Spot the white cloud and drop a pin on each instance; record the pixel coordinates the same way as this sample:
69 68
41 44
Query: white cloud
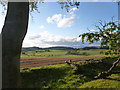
54 18
63 20
119 20
49 20
46 39
72 10
78 39
92 30
66 22
42 27
2 18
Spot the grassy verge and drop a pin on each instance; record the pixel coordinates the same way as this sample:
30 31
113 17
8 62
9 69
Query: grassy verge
62 76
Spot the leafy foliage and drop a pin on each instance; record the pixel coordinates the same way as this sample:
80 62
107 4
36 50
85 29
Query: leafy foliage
108 35
64 4
68 3
33 4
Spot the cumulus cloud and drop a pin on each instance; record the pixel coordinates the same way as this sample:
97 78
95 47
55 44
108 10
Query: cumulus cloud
42 27
66 22
46 39
63 20
54 18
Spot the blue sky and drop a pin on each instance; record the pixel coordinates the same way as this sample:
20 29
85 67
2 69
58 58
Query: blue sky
54 26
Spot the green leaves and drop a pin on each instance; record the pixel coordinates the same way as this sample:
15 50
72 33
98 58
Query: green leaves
68 3
108 35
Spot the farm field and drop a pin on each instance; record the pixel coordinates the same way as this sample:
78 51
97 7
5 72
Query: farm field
47 69
64 53
44 61
52 57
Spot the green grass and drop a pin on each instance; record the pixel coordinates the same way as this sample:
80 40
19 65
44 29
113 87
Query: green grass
112 82
62 76
63 53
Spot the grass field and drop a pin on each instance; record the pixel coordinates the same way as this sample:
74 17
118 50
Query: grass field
62 75
63 53
51 57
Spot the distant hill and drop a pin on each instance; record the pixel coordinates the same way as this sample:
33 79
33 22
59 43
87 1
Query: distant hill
49 48
31 48
61 48
94 47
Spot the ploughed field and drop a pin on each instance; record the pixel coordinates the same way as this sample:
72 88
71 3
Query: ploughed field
27 62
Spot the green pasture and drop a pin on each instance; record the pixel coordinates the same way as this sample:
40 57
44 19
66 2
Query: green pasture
63 53
62 75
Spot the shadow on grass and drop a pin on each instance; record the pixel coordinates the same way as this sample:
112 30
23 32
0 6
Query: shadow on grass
93 67
39 78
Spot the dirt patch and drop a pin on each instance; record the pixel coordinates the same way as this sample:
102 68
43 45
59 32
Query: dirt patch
44 61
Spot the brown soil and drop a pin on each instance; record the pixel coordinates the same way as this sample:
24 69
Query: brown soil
44 61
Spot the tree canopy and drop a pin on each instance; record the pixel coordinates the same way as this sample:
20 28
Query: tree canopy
107 33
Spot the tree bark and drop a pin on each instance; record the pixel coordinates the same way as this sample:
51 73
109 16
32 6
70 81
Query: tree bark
108 72
13 33
74 67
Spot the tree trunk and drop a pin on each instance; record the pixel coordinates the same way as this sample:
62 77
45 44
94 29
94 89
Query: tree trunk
74 67
13 33
109 72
